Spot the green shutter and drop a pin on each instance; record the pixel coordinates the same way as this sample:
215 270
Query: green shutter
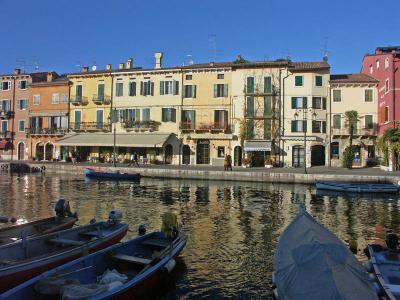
173 115
161 87
268 84
305 126
314 100
215 91
193 91
79 90
305 102
151 88
298 80
293 102
250 85
100 90
294 128
323 126
141 88
268 106
176 87
225 90
163 114
250 107
323 103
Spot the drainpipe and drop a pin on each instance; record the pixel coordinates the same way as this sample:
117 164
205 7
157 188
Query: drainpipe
330 125
394 91
179 115
13 119
282 119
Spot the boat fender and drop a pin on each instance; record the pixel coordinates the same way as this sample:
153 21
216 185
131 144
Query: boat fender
170 265
142 229
276 296
3 219
392 240
115 217
368 266
92 221
62 208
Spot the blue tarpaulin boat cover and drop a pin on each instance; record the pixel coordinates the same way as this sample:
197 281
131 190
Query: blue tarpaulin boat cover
311 263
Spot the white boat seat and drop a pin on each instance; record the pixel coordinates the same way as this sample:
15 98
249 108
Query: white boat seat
133 259
66 242
155 242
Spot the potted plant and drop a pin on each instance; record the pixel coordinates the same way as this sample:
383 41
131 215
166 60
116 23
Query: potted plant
268 163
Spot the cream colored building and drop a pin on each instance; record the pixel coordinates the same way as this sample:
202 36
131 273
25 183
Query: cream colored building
353 92
304 114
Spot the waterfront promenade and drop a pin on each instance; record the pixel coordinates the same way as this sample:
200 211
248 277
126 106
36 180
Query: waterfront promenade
282 175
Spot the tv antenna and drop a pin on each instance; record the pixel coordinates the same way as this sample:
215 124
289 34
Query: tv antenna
212 41
325 50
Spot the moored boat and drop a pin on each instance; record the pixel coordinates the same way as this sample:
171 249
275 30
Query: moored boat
384 263
122 271
29 257
64 219
356 187
312 263
117 175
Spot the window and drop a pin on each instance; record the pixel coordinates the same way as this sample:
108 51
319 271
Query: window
335 150
318 103
220 90
368 95
189 77
4 126
250 85
77 119
146 114
369 122
386 114
36 99
23 84
129 115
299 125
119 89
220 76
318 126
220 119
250 107
55 99
6 85
168 114
387 85
268 106
250 129
221 151
21 125
22 104
371 151
267 129
132 88
298 80
170 87
64 98
318 80
299 102
268 84
337 123
99 119
189 91
146 88
188 118
5 105
371 69
377 63
100 91
386 63
337 95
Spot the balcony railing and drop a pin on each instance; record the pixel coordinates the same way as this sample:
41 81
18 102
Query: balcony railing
6 114
258 90
101 99
259 115
356 132
141 125
46 131
78 100
211 127
91 126
6 134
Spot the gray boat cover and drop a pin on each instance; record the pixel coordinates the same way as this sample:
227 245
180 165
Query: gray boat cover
311 263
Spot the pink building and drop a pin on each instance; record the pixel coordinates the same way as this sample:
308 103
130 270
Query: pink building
384 65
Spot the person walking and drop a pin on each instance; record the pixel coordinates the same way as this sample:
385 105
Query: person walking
229 162
135 159
73 157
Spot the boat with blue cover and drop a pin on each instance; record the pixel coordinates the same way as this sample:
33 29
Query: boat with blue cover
114 175
124 271
357 187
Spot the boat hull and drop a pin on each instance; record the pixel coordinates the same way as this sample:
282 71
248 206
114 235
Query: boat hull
356 187
110 175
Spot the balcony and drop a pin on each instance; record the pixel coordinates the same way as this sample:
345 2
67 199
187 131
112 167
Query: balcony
91 127
6 134
78 100
140 125
258 90
259 115
6 114
205 127
46 131
101 99
360 132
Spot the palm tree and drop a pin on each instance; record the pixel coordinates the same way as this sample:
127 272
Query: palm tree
390 141
352 118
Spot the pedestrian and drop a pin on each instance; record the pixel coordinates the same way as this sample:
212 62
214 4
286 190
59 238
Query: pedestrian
135 159
131 160
226 163
73 157
229 159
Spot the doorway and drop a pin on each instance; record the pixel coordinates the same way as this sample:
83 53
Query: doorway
298 156
317 155
168 154
203 152
186 155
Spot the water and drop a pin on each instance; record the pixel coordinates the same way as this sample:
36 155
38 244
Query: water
232 227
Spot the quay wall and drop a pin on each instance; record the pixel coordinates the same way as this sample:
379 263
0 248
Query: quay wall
220 175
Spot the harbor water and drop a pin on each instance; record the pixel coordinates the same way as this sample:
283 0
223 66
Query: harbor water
232 227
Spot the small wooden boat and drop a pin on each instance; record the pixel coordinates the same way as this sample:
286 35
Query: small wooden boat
384 263
117 175
29 257
64 219
311 263
122 271
357 187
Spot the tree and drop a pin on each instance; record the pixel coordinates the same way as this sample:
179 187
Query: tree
390 142
240 60
351 117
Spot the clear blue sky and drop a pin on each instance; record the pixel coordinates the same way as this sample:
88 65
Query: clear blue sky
60 34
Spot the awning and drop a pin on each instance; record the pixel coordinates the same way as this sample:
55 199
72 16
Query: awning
257 146
205 136
5 145
47 114
299 138
142 140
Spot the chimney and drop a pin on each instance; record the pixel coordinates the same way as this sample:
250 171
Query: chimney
17 71
49 76
121 66
129 63
158 56
85 69
108 66
378 51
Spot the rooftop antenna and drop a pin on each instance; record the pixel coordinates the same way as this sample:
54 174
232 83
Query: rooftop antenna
94 67
212 41
21 62
288 55
325 50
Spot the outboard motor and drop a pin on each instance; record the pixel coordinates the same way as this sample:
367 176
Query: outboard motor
63 209
115 217
392 241
142 229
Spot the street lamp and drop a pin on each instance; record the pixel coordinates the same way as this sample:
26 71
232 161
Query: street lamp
305 115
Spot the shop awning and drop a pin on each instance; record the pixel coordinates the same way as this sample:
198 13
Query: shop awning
137 140
5 145
47 114
257 146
